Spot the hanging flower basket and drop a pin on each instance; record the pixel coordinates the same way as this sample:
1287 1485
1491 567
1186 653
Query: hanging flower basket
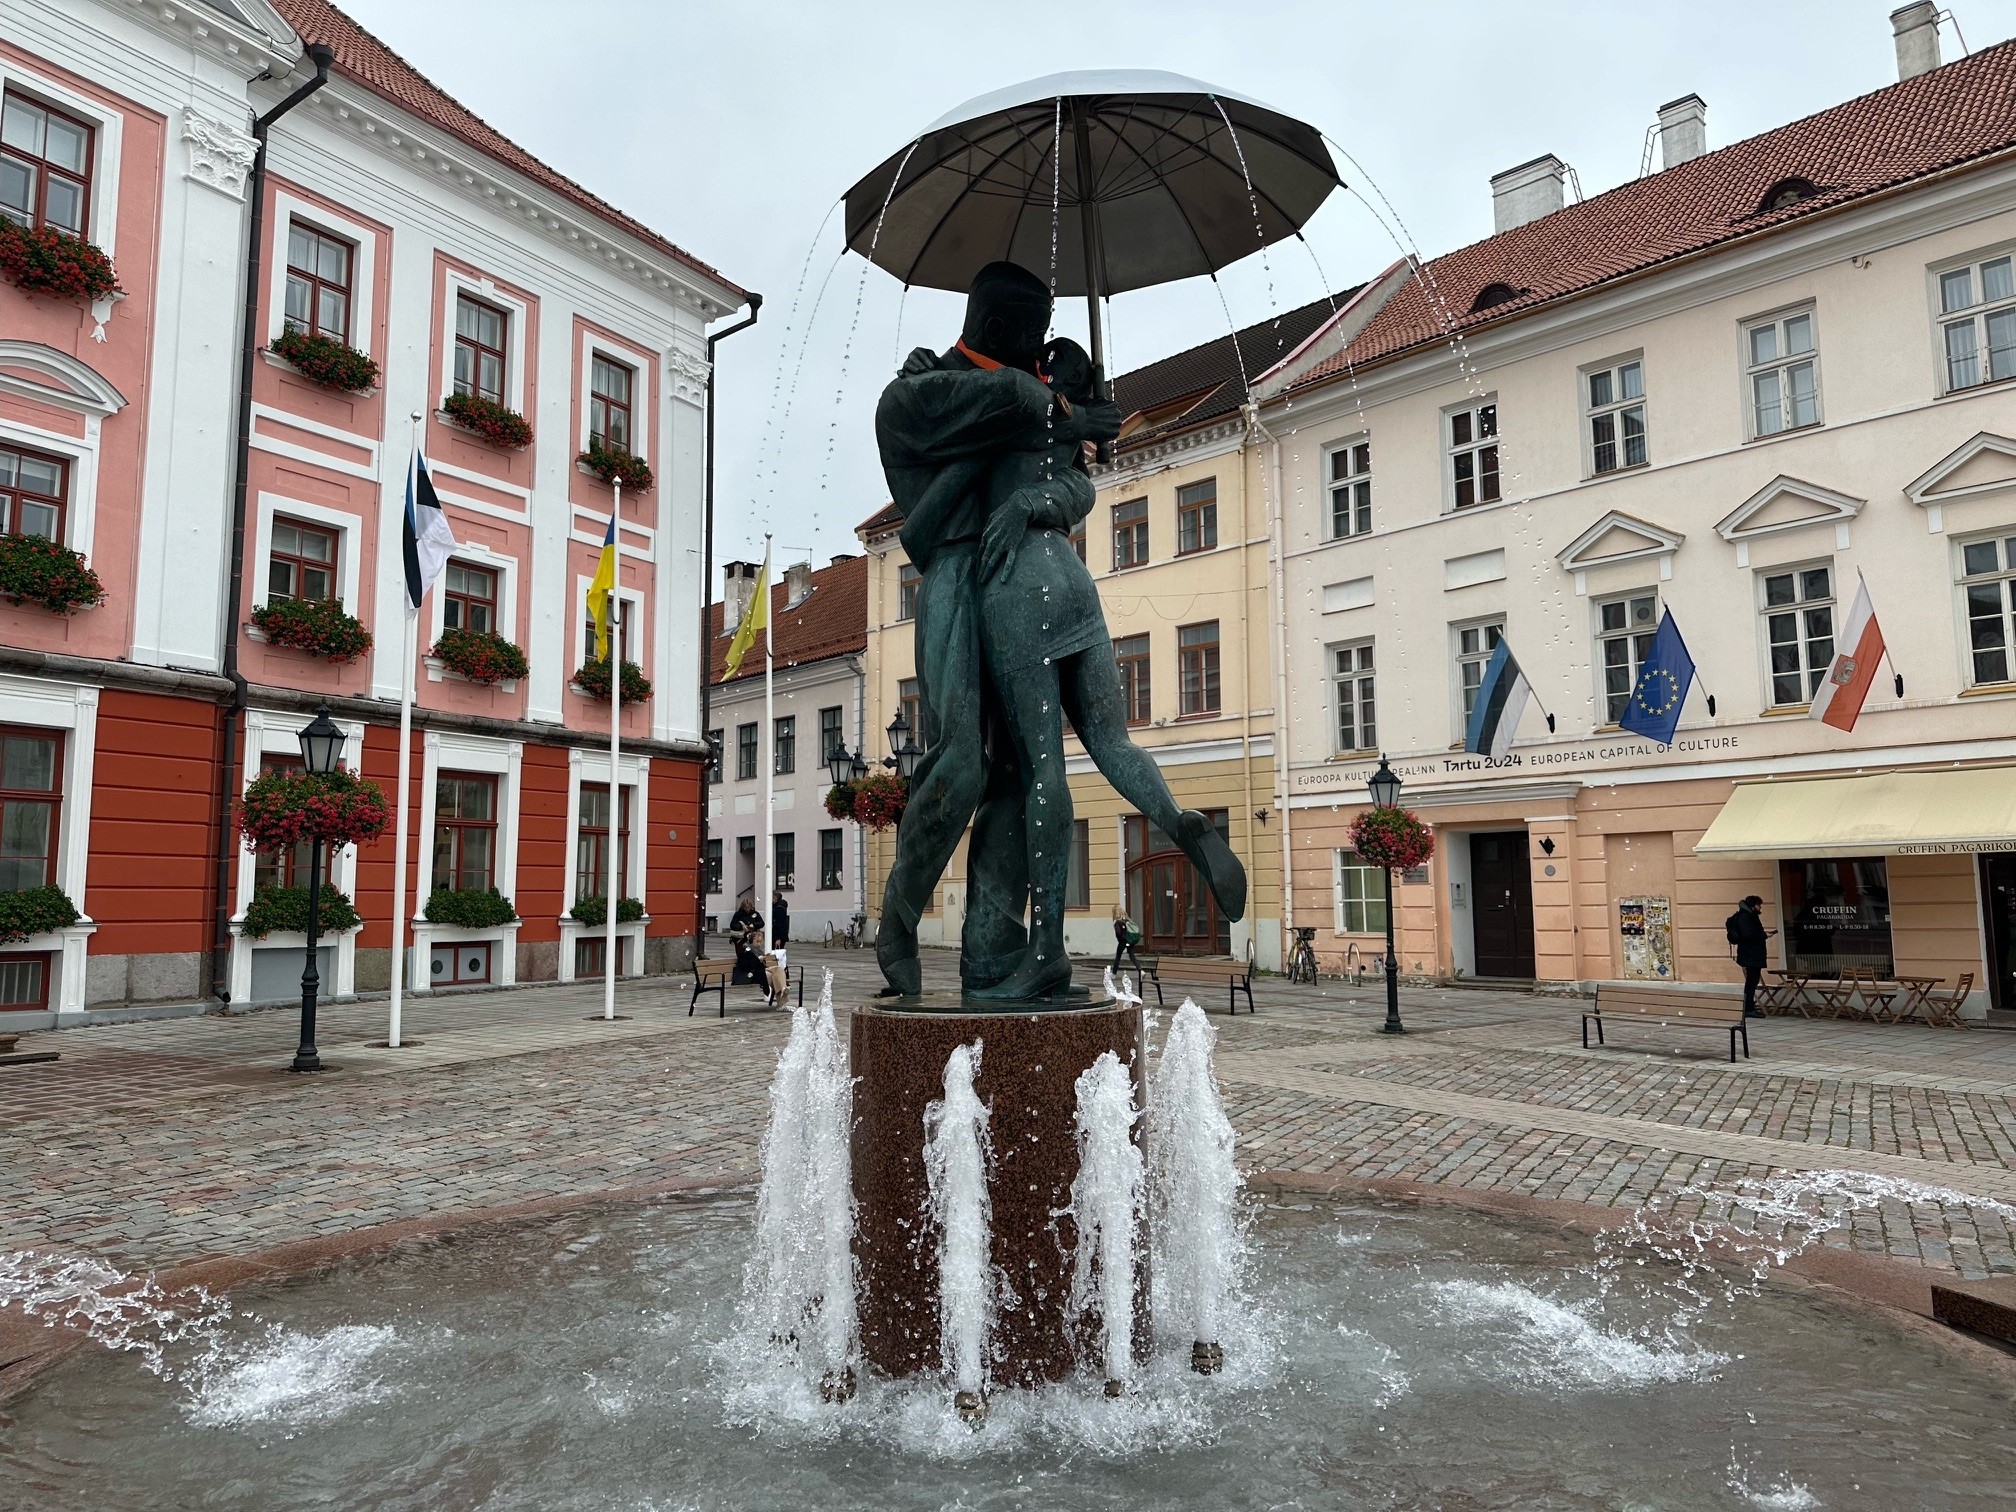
498 424
593 680
47 574
482 656
284 910
321 627
1392 839
879 800
327 361
840 801
594 912
33 911
282 808
469 908
612 464
47 261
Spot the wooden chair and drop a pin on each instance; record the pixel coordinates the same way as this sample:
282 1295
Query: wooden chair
1942 1009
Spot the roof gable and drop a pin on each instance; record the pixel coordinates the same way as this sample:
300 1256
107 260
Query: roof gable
1619 537
1984 463
1787 503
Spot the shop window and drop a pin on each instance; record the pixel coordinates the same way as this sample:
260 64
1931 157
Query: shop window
1197 668
1078 880
1988 593
24 980
469 598
465 832
1360 896
34 491
610 384
45 165
1616 399
1472 447
1130 533
462 965
1351 490
591 843
1977 331
1837 916
1197 517
1783 370
480 332
1474 645
318 282
1798 616
784 746
1131 652
832 854
31 802
745 752
1352 691
1625 628
302 561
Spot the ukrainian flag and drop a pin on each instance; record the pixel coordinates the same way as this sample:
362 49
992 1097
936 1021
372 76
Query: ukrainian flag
602 589
756 617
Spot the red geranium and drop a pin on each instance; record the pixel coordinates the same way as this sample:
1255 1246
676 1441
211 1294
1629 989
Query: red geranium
482 656
283 808
496 423
43 260
879 800
1392 839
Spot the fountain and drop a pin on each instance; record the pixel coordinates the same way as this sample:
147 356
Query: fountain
1106 1214
1193 1190
958 1160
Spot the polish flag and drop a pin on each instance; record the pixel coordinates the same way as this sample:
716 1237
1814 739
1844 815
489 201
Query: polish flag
1849 676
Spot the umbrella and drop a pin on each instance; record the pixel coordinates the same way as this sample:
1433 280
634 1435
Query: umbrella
1133 177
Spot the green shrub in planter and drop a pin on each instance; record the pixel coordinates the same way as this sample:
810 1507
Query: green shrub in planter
36 570
33 911
325 360
284 910
469 909
593 911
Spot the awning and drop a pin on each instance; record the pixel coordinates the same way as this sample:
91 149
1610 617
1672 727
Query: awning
1954 811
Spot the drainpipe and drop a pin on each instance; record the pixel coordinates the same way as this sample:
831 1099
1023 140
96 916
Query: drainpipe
1277 586
231 720
707 640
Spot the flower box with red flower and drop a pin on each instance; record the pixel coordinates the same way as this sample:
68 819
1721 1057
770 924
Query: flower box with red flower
480 656
612 464
46 574
43 260
1392 839
593 680
496 423
319 627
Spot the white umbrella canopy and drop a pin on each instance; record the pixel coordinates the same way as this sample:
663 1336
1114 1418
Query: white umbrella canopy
1141 177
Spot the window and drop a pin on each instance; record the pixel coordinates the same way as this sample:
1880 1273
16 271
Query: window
908 580
1196 517
1988 586
1077 539
832 859
1351 489
33 491
714 738
1837 916
910 704
1078 880
1130 533
1197 668
591 843
1798 630
745 752
24 981
318 282
465 832
479 348
469 598
1474 645
289 867
622 630
784 856
784 746
1361 896
1473 454
45 166
830 733
31 794
609 386
1357 726
1131 652
302 564
1616 398
1977 308
1625 628
1783 372
714 866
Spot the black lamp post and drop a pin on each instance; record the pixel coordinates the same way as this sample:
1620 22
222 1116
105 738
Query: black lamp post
321 745
839 764
1385 789
904 751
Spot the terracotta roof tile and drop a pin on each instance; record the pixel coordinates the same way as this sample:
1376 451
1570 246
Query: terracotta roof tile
362 57
832 620
1951 116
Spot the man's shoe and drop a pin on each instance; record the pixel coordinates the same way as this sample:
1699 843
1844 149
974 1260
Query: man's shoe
1199 839
896 954
1753 1013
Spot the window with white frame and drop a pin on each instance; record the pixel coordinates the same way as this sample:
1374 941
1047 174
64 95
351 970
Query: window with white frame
1360 895
1988 594
1350 489
319 268
481 348
610 384
34 493
909 582
1474 645
1471 436
301 563
1977 322
469 598
45 165
1351 691
1798 611
1615 397
1783 371
1625 628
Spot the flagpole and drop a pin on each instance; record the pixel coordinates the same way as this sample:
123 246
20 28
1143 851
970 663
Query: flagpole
615 751
768 910
405 779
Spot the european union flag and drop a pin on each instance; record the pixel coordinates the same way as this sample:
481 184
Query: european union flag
1663 681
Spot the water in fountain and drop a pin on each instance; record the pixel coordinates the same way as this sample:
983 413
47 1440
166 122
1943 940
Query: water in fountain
958 1156
1197 1241
1106 1210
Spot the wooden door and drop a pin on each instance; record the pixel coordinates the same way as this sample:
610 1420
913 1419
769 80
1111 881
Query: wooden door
1501 905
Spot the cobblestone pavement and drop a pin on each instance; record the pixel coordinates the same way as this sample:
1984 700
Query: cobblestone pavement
155 1144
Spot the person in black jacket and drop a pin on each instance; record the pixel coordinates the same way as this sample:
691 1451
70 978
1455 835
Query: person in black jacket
780 921
1747 933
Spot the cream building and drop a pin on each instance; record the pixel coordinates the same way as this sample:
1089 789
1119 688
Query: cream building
1733 389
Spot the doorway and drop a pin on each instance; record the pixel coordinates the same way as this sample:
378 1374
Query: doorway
1501 905
1998 897
1167 896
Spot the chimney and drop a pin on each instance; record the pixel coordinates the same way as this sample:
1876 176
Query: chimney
1683 130
1917 29
797 584
1526 193
738 585
845 556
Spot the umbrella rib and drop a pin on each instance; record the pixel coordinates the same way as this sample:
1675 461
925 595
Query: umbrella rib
972 181
1173 200
1056 149
1246 172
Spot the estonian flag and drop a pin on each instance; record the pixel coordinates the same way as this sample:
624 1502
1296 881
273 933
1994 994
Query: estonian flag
1501 700
428 540
1661 690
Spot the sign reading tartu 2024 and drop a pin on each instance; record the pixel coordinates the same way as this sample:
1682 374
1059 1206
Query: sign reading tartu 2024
1458 767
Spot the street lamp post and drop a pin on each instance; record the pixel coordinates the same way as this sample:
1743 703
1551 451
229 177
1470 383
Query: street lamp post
1385 790
904 752
321 745
839 764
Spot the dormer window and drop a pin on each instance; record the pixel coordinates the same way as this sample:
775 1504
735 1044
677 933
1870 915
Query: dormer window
1494 294
1786 193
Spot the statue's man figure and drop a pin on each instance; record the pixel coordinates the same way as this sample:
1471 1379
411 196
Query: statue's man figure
940 426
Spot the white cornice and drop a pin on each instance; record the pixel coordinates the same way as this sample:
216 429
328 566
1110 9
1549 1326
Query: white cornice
266 45
1189 446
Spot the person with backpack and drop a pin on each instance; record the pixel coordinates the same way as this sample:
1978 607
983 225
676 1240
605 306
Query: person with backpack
1126 935
1747 934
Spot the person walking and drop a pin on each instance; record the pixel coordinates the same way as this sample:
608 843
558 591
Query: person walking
780 920
1125 937
1747 933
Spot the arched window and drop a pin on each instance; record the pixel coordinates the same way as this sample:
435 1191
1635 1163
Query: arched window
1787 191
1493 294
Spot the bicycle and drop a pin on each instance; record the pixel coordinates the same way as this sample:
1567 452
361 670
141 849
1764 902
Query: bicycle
1302 958
847 936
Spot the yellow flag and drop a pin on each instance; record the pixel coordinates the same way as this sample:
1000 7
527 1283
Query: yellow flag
755 617
602 589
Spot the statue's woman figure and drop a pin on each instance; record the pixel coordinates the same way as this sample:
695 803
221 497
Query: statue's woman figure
1049 656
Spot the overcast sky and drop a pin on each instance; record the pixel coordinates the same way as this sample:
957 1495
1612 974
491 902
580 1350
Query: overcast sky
733 127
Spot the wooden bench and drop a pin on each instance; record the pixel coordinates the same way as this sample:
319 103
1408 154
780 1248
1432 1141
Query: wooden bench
1233 977
1667 1006
718 976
